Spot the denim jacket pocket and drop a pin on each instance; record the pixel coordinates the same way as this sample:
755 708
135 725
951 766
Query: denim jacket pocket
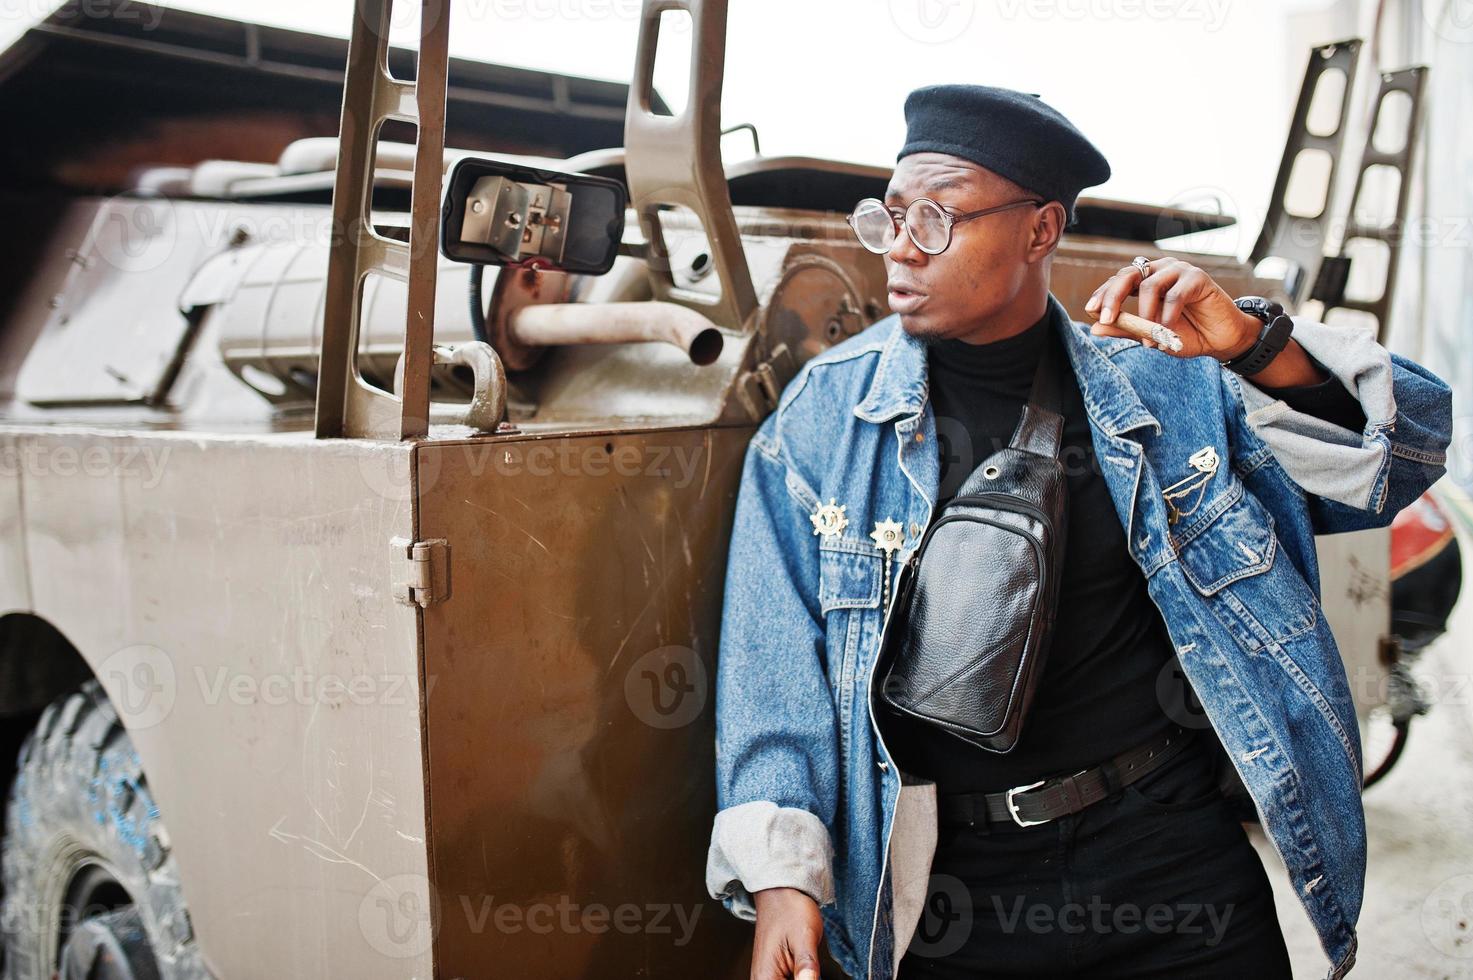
1231 560
849 574
1233 545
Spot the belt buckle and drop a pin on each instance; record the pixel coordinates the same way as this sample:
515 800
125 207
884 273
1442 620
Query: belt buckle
1013 807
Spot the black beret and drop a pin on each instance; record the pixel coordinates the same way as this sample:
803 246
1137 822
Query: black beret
1014 134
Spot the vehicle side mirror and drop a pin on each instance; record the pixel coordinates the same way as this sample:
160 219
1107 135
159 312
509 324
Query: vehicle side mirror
499 213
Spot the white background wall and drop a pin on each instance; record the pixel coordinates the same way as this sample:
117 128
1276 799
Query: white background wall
1186 98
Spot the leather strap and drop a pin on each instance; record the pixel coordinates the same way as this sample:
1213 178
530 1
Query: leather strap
1061 796
1041 427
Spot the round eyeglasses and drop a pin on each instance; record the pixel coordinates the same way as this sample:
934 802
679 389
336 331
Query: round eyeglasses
927 223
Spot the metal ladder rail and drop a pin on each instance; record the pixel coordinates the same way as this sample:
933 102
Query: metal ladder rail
1330 283
347 406
1298 239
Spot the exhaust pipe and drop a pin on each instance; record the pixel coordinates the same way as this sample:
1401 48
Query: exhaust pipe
550 324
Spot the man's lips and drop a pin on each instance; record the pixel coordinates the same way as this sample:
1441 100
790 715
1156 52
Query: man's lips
905 298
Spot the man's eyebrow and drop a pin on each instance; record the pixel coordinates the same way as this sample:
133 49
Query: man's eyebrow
943 182
946 182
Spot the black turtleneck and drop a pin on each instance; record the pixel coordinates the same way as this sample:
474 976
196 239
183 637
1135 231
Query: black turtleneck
1098 694
1106 684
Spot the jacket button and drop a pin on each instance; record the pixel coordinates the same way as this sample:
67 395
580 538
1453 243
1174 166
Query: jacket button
920 437
915 529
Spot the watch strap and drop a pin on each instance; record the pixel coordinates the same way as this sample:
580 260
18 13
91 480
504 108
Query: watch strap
1272 338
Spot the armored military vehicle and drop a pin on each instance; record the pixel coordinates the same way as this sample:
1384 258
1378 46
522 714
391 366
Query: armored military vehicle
365 506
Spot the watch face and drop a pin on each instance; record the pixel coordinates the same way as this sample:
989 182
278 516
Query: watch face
1258 306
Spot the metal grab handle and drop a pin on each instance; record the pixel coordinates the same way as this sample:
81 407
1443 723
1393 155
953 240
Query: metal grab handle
675 161
488 393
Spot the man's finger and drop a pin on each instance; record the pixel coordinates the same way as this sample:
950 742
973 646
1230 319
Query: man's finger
805 966
1102 330
1106 330
1186 289
1117 288
1149 293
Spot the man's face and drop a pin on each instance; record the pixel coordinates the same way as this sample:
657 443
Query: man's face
983 269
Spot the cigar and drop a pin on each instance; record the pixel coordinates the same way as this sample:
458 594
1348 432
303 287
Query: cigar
1147 330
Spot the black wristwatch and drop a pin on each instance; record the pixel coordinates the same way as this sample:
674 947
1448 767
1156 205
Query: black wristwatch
1272 339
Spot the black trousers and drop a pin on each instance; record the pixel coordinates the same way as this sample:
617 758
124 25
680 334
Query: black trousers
1158 880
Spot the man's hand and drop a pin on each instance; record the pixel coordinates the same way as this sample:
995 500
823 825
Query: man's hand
1183 298
789 929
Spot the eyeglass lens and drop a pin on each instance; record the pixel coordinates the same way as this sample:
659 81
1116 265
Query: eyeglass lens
875 226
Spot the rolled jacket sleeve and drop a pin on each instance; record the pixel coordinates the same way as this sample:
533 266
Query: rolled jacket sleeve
776 725
1353 479
1329 401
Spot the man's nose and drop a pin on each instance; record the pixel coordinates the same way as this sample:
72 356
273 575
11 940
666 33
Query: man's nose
903 250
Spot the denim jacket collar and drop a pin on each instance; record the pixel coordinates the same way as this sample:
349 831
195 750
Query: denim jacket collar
900 383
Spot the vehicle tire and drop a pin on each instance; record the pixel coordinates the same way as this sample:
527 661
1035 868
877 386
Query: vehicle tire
91 887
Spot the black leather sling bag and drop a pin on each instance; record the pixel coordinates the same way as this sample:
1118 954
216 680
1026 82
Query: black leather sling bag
973 612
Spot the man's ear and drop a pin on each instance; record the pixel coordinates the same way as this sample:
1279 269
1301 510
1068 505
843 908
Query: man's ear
1047 230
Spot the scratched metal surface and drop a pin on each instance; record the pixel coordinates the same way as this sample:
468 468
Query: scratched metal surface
243 575
1355 587
570 721
15 589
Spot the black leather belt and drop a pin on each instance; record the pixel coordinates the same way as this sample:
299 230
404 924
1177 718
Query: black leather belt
1049 799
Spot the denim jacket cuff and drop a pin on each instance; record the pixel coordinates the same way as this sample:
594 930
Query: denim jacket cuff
1323 458
761 845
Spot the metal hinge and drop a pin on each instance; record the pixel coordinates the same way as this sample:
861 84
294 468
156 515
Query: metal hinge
762 387
422 571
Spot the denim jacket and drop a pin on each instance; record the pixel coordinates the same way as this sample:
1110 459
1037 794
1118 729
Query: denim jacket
807 794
